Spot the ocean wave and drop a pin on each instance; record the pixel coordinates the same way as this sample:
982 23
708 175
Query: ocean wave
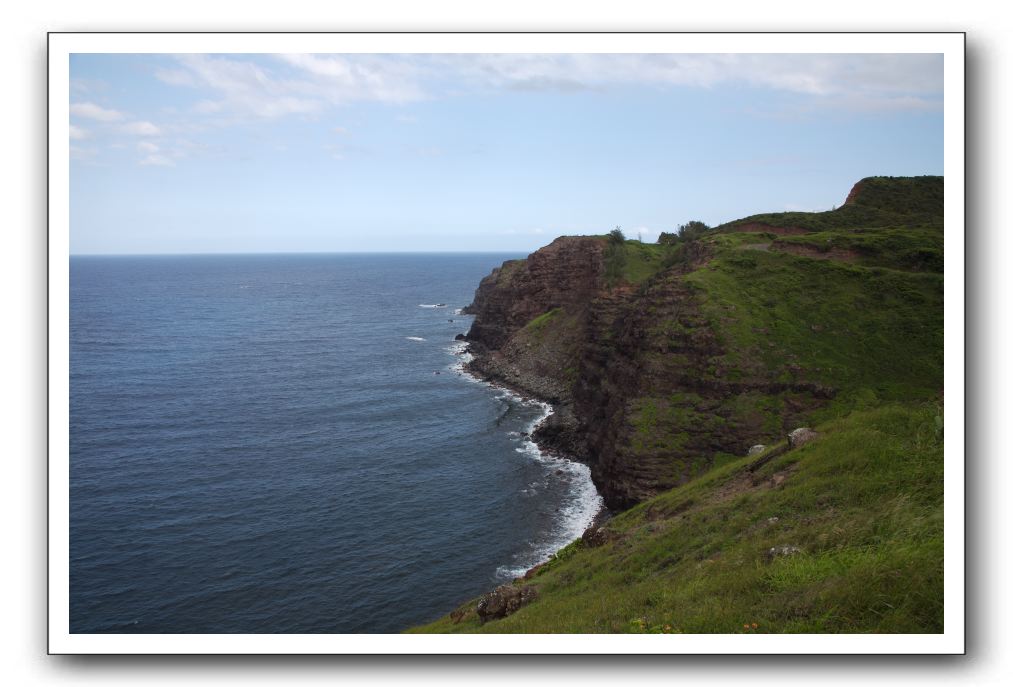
582 501
415 338
459 350
432 305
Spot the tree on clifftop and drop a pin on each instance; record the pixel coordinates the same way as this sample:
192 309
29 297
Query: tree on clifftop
616 236
690 231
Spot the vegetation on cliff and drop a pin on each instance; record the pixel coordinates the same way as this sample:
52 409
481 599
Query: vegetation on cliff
668 361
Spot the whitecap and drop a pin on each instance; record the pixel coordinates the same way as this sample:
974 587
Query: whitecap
415 338
582 501
459 349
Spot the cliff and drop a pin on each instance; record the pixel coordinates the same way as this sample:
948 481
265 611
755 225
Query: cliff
684 374
666 361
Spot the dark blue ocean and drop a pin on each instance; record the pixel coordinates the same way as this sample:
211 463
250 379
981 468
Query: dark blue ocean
261 443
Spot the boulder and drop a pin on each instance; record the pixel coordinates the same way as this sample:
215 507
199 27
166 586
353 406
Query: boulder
801 437
596 536
783 550
503 601
756 450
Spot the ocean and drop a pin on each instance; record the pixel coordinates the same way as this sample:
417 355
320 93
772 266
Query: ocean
288 444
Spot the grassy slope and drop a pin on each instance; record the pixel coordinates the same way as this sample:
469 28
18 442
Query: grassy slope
871 333
866 332
892 222
863 503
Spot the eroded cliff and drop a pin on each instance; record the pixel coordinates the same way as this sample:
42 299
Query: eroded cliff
664 361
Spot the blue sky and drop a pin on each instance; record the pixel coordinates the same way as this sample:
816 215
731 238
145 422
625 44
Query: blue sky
280 153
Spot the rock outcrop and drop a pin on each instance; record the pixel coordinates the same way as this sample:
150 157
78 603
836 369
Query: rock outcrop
801 437
503 601
564 274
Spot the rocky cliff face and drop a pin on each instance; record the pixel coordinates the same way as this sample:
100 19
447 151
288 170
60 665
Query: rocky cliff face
564 274
659 374
635 374
549 327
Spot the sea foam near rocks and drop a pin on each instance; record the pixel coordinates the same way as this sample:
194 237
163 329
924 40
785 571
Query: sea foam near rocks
582 501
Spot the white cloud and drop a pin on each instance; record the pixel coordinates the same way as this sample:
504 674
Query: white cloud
176 77
818 74
141 129
295 84
77 133
82 154
240 86
93 111
305 84
156 160
232 88
165 154
340 130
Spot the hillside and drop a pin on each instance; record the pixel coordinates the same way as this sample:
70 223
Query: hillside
841 535
667 363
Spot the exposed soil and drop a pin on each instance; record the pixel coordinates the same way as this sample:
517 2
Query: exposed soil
802 250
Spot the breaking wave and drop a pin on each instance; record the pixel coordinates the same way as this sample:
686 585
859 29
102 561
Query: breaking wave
581 502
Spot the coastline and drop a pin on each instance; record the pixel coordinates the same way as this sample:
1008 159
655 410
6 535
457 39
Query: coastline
591 516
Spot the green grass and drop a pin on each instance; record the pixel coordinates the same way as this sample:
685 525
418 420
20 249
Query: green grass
863 503
881 202
848 327
906 248
537 326
903 195
633 262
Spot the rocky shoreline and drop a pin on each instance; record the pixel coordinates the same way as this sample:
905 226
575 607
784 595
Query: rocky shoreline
479 367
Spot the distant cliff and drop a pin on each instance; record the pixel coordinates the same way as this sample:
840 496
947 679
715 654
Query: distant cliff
664 361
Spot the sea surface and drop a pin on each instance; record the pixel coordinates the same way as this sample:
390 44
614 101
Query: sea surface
287 443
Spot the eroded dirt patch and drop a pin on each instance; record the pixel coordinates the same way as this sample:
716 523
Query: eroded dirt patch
802 250
746 481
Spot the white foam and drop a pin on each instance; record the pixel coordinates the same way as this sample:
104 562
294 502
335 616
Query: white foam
432 305
415 338
459 349
582 502
458 311
575 515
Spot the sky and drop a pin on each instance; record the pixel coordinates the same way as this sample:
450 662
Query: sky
347 153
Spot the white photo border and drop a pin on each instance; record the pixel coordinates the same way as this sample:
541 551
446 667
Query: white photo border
62 45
